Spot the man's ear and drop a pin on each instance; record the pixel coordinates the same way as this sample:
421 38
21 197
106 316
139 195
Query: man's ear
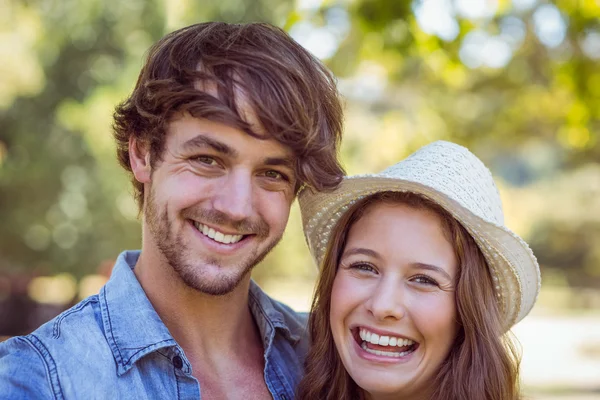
139 159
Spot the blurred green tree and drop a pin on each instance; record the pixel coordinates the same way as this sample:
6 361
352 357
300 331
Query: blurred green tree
516 81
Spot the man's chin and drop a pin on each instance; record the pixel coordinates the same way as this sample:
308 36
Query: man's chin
214 288
218 284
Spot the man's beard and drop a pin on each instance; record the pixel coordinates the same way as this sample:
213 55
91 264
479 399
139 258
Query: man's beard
178 254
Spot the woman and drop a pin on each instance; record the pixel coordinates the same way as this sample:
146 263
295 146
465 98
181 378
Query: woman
420 281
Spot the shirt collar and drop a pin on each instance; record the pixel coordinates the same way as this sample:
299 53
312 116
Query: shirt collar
133 328
268 318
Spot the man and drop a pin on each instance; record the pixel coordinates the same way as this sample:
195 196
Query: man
224 126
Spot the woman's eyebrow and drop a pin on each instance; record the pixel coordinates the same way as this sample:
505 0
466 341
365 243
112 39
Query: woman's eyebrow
361 251
434 268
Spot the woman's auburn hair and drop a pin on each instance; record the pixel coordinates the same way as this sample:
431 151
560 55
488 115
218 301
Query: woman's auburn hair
483 363
292 94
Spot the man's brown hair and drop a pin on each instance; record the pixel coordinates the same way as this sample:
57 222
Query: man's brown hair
292 94
483 362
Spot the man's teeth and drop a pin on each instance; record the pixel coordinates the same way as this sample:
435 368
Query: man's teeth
216 235
384 340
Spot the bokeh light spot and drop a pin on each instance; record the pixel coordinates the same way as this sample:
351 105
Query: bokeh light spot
65 235
436 17
127 206
550 26
475 9
91 285
590 44
37 237
58 289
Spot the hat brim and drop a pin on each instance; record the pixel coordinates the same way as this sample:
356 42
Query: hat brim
514 267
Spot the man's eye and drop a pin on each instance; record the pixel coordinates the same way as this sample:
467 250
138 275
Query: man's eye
206 160
275 175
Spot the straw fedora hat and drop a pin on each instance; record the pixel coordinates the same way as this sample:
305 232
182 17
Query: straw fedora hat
451 176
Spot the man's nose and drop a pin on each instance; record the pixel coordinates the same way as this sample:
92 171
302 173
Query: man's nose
235 197
387 301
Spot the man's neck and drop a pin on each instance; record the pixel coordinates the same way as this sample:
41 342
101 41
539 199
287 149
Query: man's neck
205 326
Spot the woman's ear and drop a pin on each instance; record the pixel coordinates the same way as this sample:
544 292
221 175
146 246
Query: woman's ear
139 159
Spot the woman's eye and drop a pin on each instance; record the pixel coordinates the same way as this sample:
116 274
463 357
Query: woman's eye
362 267
425 280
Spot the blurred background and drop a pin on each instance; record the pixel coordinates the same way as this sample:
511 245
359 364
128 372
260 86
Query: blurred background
518 82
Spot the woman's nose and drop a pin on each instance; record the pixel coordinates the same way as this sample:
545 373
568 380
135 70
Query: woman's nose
387 300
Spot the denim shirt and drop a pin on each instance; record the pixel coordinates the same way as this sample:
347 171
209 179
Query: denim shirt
114 346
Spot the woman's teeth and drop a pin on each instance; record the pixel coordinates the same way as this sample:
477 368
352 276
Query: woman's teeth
383 340
385 353
216 235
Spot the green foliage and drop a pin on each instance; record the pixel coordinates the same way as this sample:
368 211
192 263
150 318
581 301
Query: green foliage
530 110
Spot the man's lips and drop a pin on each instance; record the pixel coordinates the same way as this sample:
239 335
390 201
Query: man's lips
221 222
216 235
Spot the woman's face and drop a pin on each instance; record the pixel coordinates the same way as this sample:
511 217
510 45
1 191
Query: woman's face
393 313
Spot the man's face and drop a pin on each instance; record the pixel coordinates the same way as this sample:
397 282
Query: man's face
218 202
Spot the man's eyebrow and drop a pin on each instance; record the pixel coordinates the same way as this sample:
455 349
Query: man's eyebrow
281 161
433 268
201 141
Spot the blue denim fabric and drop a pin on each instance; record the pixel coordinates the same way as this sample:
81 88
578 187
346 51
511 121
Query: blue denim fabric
114 346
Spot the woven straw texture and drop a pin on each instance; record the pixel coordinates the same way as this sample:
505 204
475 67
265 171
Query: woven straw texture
453 177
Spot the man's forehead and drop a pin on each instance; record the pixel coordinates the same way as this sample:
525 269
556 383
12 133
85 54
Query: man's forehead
189 133
240 99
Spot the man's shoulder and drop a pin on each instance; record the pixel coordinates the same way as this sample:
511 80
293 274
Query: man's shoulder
74 329
31 362
23 370
81 322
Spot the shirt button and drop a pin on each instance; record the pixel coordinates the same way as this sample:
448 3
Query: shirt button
177 362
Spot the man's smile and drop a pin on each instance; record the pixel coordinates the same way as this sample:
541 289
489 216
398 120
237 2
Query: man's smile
216 235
